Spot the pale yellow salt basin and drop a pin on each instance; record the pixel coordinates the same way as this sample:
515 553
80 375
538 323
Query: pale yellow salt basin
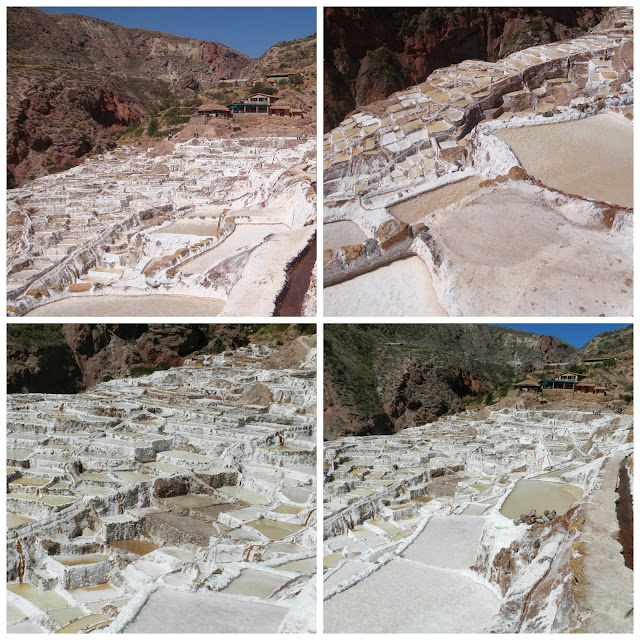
131 306
341 234
274 529
403 288
591 157
415 209
540 495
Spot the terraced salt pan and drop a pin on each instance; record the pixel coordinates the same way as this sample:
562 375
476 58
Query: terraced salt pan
415 209
191 227
403 288
404 597
189 519
246 495
274 529
255 583
243 236
341 234
108 306
591 157
494 247
540 495
166 612
448 541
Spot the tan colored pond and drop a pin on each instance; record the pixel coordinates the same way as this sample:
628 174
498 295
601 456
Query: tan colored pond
330 561
246 495
139 547
540 495
14 520
307 565
287 508
415 209
191 227
273 529
340 234
111 306
74 561
591 157
42 599
255 583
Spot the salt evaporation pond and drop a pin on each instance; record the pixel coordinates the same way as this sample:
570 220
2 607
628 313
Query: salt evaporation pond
404 597
138 547
192 227
415 209
243 236
591 157
341 234
403 288
540 495
152 305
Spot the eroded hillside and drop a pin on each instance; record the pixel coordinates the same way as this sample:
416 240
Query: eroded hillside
380 379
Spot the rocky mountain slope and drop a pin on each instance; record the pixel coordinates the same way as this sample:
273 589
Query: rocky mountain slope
294 56
382 378
54 358
610 344
74 81
372 52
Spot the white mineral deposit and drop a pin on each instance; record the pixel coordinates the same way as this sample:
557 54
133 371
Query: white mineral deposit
512 182
502 524
166 503
196 230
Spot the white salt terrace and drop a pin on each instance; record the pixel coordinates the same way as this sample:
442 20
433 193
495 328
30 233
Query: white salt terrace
133 223
148 497
552 123
410 519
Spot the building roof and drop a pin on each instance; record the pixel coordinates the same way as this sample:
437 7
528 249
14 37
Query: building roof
268 95
527 383
282 106
212 106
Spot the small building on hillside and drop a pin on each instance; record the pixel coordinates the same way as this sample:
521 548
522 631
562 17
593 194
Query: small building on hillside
237 82
257 103
561 385
570 375
280 110
208 111
276 78
590 387
528 385
297 113
594 361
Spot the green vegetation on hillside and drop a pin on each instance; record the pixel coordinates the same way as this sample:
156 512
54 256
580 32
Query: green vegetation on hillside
35 336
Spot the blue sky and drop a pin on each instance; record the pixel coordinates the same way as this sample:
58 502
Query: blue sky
251 30
576 334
